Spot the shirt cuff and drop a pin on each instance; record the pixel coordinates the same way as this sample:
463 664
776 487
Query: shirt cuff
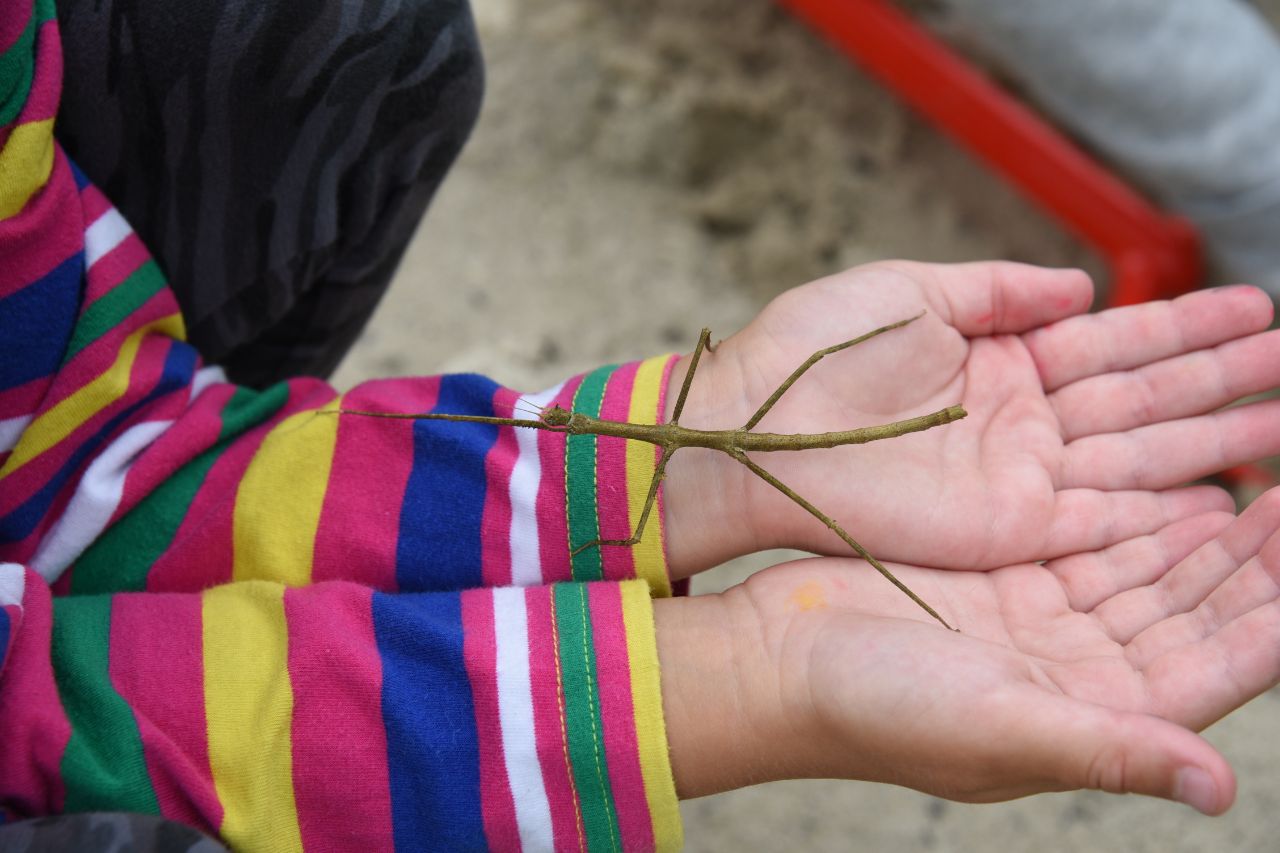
607 479
578 728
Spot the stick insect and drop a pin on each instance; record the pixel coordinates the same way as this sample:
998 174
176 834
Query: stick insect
671 436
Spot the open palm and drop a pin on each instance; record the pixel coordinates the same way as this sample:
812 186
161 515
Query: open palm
1086 671
1080 430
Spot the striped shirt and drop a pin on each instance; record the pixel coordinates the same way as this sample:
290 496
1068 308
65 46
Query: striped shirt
293 628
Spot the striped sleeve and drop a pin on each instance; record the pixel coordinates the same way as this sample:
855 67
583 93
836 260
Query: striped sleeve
128 465
336 717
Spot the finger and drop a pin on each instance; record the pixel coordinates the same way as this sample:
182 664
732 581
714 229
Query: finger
1165 454
1090 578
1255 584
1081 745
1002 297
1091 519
1179 387
1198 684
1252 584
1125 338
1186 585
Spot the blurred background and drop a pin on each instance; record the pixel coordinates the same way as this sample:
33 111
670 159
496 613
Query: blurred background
644 168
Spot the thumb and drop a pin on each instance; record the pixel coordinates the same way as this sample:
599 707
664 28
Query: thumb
1003 297
1091 747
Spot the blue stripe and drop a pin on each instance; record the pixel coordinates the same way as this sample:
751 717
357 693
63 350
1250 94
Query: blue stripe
82 180
36 323
179 367
433 759
4 637
439 538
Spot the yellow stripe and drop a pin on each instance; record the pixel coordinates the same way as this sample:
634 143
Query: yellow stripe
650 553
26 161
60 421
651 730
279 500
249 709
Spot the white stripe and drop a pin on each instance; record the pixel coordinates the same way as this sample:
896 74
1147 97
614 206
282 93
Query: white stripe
526 475
107 232
206 376
13 584
515 711
101 489
94 502
11 430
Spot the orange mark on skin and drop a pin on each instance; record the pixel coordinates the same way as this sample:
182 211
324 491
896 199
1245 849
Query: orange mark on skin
808 596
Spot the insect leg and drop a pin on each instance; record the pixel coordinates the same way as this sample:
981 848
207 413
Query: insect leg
659 473
814 359
704 343
839 531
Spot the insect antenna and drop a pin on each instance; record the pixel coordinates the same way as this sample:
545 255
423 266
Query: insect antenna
526 408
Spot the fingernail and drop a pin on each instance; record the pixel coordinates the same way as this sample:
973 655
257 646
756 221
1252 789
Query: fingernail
1196 788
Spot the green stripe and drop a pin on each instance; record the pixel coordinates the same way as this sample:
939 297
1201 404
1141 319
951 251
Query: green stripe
580 478
121 558
17 66
103 768
113 307
583 722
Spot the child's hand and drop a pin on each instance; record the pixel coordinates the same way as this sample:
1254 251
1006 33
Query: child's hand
1089 671
1080 428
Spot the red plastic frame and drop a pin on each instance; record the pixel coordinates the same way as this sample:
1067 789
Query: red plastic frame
1151 255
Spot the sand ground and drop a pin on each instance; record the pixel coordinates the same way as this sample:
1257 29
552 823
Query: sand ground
643 168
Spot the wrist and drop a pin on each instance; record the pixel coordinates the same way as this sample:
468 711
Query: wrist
707 514
721 695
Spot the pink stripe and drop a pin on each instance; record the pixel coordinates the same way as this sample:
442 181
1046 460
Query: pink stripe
196 429
141 382
157 666
23 399
22 550
200 555
548 719
36 729
93 360
495 527
12 24
28 480
611 476
46 86
41 99
48 231
340 778
372 460
62 586
31 477
94 203
553 522
480 655
114 267
613 666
